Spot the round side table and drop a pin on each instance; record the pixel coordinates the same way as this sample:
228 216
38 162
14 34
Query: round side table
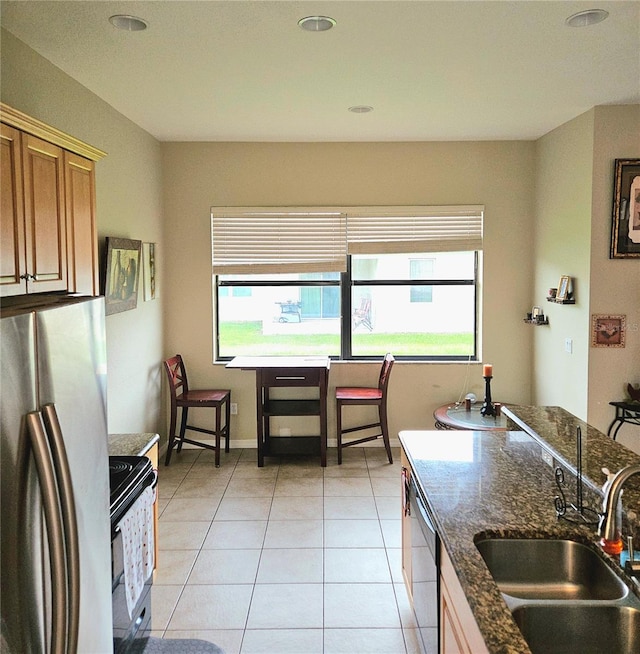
450 416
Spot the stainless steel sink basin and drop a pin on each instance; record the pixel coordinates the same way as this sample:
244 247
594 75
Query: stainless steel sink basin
537 569
585 629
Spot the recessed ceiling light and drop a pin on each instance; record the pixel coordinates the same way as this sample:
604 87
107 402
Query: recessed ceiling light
316 23
360 109
128 23
586 18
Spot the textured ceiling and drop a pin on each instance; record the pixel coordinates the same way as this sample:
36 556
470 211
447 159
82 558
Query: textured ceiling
244 71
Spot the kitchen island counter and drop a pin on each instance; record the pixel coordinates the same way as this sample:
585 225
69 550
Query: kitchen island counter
131 444
483 484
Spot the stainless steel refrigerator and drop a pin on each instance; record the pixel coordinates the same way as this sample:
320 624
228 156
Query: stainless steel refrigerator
54 472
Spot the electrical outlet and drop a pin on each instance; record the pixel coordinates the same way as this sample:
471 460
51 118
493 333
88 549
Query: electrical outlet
568 345
547 458
234 409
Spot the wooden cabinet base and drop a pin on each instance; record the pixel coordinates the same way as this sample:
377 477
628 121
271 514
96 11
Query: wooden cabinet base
459 632
152 455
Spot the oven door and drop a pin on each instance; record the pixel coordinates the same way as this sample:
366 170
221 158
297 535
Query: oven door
425 571
127 629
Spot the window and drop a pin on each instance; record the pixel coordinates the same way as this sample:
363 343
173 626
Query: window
419 304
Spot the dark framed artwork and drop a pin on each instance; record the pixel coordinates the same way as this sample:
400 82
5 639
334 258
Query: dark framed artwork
607 330
625 227
122 273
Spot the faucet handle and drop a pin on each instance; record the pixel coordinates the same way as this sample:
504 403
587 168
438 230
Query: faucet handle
632 566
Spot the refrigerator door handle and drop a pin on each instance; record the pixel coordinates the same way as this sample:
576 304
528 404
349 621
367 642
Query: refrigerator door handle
69 522
55 530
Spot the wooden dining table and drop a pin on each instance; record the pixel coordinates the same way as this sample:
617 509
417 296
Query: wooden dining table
288 372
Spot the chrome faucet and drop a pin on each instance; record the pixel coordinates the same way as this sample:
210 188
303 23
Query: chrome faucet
609 530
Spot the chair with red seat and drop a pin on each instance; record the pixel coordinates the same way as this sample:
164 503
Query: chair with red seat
184 398
363 396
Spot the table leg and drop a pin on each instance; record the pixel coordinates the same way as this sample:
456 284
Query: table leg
323 420
613 422
259 419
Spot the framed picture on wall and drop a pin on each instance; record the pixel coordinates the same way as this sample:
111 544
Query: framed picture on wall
122 272
149 280
563 288
607 331
625 225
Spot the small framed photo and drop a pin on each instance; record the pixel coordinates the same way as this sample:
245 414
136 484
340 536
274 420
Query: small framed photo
122 273
563 288
149 280
607 331
625 223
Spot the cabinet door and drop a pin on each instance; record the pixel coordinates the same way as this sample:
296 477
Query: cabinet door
406 523
459 631
45 233
82 239
12 252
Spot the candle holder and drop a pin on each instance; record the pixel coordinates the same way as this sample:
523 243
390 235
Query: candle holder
488 409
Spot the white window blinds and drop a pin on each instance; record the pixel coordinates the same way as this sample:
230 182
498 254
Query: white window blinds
380 230
253 240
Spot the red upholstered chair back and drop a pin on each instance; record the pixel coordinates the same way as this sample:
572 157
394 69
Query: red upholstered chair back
385 373
177 375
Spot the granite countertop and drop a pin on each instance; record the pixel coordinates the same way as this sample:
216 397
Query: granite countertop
557 429
481 484
131 444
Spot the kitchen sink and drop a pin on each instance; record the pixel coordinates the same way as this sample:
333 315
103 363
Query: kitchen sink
563 596
583 629
536 569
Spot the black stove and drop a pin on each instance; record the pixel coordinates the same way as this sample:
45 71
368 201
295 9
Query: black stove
128 476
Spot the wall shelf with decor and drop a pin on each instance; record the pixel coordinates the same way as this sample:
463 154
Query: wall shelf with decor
536 317
564 294
556 301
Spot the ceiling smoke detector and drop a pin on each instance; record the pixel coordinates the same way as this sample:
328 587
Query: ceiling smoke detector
316 23
586 18
128 23
360 109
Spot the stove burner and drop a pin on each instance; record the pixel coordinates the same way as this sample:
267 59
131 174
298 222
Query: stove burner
117 466
128 476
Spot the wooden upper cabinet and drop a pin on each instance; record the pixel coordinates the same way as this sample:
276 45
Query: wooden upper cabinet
12 250
82 231
48 230
44 213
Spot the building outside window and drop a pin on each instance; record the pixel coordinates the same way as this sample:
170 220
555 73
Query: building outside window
421 269
418 305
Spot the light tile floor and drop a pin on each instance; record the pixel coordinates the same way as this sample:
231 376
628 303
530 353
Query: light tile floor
291 558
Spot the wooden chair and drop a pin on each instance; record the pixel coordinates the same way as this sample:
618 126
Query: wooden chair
346 396
184 398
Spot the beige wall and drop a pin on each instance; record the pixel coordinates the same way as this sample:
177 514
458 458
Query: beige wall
615 283
128 189
547 213
574 190
562 245
498 175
